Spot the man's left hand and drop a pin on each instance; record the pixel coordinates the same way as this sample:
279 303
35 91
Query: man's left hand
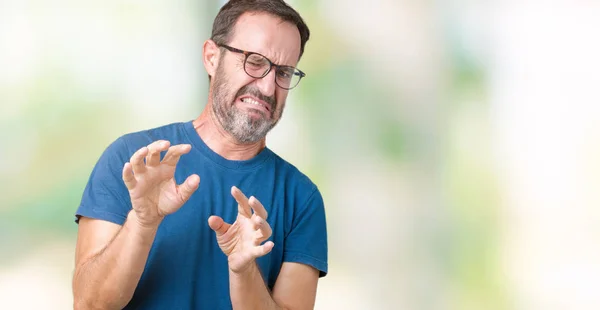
241 241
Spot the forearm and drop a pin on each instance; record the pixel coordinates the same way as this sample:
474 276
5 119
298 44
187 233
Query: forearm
108 280
248 290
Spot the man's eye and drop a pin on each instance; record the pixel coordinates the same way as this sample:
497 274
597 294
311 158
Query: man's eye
285 74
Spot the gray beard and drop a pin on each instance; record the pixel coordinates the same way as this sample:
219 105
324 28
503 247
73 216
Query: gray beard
235 122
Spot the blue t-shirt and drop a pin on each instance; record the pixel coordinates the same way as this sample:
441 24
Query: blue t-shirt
186 269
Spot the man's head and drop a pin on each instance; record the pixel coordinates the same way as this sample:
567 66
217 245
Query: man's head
245 104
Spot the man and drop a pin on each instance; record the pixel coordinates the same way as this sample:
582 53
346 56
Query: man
152 237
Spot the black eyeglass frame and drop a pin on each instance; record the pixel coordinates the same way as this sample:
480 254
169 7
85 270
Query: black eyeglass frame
271 65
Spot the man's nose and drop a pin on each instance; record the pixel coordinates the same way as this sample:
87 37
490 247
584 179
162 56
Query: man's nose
267 84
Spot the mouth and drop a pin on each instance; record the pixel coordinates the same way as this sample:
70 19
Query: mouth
252 102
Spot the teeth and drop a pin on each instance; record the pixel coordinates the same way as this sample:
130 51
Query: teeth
250 100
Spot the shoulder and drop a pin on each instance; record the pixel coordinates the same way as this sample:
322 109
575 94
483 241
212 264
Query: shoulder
124 146
296 180
173 132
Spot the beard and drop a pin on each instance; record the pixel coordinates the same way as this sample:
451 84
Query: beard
238 123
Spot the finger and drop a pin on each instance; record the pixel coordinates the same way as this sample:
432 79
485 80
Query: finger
188 187
174 153
258 207
257 221
154 149
128 177
263 250
217 224
263 229
266 230
243 206
137 161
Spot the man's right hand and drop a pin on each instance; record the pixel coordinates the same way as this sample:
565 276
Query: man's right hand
151 184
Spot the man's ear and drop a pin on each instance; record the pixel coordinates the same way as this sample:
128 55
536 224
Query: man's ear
210 55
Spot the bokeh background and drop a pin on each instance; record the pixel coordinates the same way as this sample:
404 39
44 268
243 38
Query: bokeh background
456 143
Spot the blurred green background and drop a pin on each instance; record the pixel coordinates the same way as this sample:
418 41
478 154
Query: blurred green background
457 144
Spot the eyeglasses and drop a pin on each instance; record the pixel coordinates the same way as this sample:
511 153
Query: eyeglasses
258 66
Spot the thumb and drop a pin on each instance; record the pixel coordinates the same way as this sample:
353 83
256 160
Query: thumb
217 224
187 188
264 249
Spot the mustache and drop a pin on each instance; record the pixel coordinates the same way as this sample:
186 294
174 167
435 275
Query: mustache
253 91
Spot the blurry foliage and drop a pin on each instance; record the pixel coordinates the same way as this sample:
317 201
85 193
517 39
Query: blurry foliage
470 188
57 136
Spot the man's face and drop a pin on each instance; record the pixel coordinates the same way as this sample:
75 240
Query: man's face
246 107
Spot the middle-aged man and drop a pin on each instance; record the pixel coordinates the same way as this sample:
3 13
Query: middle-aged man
152 237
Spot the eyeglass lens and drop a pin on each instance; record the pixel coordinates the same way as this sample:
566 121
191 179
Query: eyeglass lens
258 66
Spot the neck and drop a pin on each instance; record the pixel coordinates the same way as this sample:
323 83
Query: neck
217 139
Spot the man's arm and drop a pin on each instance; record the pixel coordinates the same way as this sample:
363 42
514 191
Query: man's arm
110 259
109 262
296 284
296 288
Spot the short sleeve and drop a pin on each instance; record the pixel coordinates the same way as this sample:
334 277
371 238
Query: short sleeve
105 196
307 241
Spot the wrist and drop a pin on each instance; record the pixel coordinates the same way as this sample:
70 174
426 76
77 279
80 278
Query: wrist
142 224
248 270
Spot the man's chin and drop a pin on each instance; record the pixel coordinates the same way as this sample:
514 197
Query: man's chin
256 115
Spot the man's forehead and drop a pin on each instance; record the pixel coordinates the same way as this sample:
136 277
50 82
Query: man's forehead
268 35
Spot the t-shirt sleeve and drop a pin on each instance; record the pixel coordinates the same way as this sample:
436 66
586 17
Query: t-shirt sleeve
105 196
307 241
